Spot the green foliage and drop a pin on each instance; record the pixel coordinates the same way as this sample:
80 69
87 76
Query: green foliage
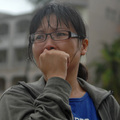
108 70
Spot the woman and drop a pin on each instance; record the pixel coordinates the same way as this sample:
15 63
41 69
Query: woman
57 41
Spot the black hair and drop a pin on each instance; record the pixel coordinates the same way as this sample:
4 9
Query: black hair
63 12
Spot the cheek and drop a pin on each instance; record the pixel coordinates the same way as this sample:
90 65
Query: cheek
69 47
36 52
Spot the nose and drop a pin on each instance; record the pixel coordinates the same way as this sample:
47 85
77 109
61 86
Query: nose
49 43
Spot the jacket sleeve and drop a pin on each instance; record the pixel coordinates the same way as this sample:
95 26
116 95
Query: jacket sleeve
115 108
109 109
52 104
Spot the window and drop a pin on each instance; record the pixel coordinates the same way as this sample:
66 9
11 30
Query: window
2 84
84 13
111 14
3 56
22 26
4 29
21 54
18 78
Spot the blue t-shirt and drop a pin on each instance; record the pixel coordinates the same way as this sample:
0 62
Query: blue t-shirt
83 108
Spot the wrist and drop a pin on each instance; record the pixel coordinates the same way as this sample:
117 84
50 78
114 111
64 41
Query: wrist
55 75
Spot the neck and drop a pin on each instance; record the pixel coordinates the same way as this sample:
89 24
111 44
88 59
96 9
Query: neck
77 90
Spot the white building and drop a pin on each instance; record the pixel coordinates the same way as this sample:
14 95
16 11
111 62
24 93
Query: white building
13 50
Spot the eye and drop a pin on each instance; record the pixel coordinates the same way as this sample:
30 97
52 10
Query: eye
40 37
61 34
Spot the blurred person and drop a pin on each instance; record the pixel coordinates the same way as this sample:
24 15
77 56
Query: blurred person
56 43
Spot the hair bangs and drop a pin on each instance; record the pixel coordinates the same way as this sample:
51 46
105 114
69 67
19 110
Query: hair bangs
62 16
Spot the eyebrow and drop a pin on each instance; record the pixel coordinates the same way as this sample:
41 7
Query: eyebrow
40 31
58 29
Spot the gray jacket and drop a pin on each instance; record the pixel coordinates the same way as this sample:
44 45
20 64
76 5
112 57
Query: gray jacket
50 101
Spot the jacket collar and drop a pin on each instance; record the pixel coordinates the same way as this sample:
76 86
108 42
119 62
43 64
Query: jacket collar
97 94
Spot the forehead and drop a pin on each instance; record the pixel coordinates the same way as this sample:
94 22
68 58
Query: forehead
52 22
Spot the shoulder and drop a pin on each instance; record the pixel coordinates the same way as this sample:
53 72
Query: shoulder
111 107
97 94
14 91
113 104
103 99
24 89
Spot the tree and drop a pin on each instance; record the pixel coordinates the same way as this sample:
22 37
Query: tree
108 70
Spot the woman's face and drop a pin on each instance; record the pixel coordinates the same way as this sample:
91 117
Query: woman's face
70 46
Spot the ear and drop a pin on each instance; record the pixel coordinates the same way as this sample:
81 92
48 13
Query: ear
84 46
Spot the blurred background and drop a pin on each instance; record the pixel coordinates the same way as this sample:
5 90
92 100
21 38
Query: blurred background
102 20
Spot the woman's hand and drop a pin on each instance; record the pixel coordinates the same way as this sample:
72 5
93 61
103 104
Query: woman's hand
54 63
